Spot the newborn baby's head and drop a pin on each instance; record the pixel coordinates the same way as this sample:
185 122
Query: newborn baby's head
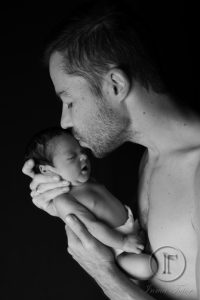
57 151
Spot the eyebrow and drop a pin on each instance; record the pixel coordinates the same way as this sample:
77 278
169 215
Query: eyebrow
60 93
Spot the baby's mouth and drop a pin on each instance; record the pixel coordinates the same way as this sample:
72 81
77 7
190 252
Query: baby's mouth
84 169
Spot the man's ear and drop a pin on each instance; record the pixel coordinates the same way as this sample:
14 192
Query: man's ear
116 84
46 169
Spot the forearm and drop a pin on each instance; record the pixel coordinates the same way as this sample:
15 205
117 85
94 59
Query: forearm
66 204
106 235
117 286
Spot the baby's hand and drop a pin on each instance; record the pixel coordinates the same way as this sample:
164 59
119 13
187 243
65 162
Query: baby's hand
133 244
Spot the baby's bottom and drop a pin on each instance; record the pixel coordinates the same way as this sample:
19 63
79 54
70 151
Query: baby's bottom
139 266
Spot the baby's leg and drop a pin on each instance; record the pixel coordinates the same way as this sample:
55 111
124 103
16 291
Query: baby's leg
139 266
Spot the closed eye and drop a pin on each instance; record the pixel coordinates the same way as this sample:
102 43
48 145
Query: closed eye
71 157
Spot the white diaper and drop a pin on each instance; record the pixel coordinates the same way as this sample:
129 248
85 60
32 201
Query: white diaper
126 228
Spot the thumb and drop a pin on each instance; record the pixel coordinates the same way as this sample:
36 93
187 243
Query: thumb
28 168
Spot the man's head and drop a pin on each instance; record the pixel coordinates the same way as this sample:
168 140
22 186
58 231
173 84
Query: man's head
57 151
94 63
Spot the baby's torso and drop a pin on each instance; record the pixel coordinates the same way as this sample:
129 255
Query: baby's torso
167 195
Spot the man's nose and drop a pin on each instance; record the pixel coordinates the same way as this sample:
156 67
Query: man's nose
66 120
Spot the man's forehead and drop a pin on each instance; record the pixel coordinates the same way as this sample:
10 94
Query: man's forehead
56 61
57 74
56 65
62 81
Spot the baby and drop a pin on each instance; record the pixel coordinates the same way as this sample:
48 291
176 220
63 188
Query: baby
56 151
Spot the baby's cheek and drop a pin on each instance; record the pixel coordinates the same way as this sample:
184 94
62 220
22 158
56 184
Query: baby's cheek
73 172
65 174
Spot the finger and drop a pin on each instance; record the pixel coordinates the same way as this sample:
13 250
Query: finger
47 207
28 168
141 247
72 238
80 231
39 179
42 199
44 187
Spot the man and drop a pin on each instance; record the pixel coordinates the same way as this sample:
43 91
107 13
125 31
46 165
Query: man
111 92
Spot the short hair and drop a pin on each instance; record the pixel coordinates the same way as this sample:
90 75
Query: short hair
102 37
38 147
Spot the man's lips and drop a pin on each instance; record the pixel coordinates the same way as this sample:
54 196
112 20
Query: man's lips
75 135
81 142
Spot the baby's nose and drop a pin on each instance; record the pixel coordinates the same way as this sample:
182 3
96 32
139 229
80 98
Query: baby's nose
83 157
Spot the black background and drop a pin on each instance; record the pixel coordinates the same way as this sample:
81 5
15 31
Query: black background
37 263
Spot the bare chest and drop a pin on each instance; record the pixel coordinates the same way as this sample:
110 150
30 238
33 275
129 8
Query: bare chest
167 195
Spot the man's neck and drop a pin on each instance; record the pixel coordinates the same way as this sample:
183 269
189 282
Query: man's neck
158 124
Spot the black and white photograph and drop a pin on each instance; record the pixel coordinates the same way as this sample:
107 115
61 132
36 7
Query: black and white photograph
100 147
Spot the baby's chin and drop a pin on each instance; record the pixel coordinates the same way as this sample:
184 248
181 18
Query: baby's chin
83 178
78 181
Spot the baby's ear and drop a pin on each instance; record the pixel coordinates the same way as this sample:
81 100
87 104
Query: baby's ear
46 169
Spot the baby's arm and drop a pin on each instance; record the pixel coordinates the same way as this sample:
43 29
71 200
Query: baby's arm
137 266
66 204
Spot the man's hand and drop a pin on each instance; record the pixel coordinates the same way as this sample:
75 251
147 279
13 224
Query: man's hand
98 261
92 255
44 188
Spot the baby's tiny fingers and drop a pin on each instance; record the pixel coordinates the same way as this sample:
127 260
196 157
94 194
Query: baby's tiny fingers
138 251
141 247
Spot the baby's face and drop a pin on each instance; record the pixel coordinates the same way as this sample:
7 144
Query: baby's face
69 160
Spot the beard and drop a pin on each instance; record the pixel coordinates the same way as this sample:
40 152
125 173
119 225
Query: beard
103 132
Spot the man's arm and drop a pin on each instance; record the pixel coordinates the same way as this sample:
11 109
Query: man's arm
99 262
